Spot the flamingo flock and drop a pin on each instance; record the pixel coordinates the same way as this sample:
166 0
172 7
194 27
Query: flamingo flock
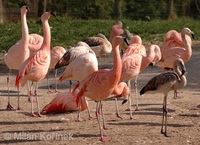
36 58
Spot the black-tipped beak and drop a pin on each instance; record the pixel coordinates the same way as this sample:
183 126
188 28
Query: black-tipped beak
183 71
28 9
126 41
192 35
124 101
53 14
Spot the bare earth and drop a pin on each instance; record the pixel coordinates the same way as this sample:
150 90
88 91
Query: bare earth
183 117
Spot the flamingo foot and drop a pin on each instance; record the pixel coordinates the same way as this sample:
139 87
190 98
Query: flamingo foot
9 107
49 92
137 109
30 99
19 109
92 118
57 91
127 109
39 115
105 127
104 139
33 115
118 116
79 119
178 97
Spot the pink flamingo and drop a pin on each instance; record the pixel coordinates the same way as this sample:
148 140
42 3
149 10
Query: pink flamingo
36 66
173 39
56 53
19 52
65 101
173 53
100 84
164 83
116 31
99 44
135 60
72 53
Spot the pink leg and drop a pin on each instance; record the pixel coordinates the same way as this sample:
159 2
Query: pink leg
18 108
55 78
117 109
9 106
88 109
102 138
49 90
37 100
79 119
135 85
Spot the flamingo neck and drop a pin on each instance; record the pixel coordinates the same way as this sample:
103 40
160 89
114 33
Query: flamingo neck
25 32
186 45
148 59
47 35
117 63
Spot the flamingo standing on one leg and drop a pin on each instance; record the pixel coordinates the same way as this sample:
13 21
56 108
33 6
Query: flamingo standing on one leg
56 53
164 83
183 51
135 60
80 49
100 84
18 53
36 66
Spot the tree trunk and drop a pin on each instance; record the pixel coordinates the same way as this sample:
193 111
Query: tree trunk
1 12
171 15
117 9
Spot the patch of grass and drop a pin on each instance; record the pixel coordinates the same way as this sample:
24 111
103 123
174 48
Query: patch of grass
66 32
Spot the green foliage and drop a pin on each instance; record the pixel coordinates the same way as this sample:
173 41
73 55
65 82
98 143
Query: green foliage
66 31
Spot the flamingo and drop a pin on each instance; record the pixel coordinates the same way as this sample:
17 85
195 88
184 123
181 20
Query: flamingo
62 102
116 31
66 101
164 83
35 68
18 53
73 53
135 60
170 55
56 53
99 44
100 84
173 39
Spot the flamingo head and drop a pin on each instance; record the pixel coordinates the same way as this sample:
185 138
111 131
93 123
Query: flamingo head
25 9
188 32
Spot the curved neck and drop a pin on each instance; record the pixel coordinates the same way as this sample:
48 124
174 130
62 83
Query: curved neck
47 35
186 44
148 59
117 63
25 32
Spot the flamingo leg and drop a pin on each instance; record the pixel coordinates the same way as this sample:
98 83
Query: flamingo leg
31 100
136 94
9 106
129 98
164 118
102 138
30 92
117 109
79 119
55 78
88 109
70 85
18 108
104 124
49 90
37 100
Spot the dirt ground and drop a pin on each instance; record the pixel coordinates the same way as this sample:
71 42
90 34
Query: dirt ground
183 117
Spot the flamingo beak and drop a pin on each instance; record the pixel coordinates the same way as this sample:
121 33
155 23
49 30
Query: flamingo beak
124 101
192 35
27 8
126 41
53 14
